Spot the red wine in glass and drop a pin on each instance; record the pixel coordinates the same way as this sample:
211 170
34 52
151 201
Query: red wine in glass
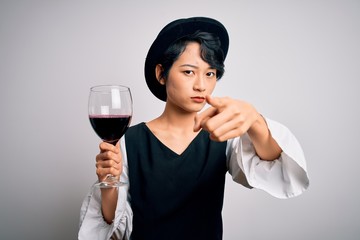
110 112
110 128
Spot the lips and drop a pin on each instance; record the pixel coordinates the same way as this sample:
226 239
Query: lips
198 99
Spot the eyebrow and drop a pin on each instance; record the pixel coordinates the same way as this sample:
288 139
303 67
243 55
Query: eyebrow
193 66
189 65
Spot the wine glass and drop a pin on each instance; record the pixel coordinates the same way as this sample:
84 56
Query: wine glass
110 112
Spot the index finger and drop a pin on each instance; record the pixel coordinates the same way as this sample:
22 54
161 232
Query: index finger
216 102
104 146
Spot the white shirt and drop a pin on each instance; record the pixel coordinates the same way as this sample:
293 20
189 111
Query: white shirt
284 177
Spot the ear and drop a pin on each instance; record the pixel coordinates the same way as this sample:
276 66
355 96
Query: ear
159 74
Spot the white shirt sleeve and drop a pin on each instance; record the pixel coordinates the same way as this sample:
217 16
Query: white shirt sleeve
284 177
92 223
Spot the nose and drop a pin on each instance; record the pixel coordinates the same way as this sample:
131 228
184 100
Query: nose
199 84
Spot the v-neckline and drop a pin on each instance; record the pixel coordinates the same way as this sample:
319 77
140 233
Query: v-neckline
189 146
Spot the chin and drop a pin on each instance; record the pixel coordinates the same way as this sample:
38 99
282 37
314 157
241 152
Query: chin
199 108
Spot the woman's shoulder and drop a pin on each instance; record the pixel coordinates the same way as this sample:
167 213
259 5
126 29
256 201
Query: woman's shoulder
135 128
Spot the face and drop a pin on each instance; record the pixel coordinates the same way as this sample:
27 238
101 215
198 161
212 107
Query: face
190 79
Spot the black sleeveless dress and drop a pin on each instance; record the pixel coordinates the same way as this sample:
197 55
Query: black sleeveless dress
175 196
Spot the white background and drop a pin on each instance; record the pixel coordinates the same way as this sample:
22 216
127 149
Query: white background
297 62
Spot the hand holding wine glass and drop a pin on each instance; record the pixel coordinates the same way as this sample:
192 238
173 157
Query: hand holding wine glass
108 161
110 112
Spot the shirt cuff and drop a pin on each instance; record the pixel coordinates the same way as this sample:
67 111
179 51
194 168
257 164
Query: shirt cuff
284 177
92 223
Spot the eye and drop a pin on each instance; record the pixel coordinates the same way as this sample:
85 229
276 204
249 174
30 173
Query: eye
189 72
211 74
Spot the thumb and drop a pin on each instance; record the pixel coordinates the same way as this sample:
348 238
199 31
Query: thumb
197 122
117 147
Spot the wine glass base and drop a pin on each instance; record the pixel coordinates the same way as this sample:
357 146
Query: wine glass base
110 184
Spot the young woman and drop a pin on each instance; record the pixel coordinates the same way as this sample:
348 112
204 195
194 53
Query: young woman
176 163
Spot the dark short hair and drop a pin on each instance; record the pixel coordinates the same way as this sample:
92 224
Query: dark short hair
210 51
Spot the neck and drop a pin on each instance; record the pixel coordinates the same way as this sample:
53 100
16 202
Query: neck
177 120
